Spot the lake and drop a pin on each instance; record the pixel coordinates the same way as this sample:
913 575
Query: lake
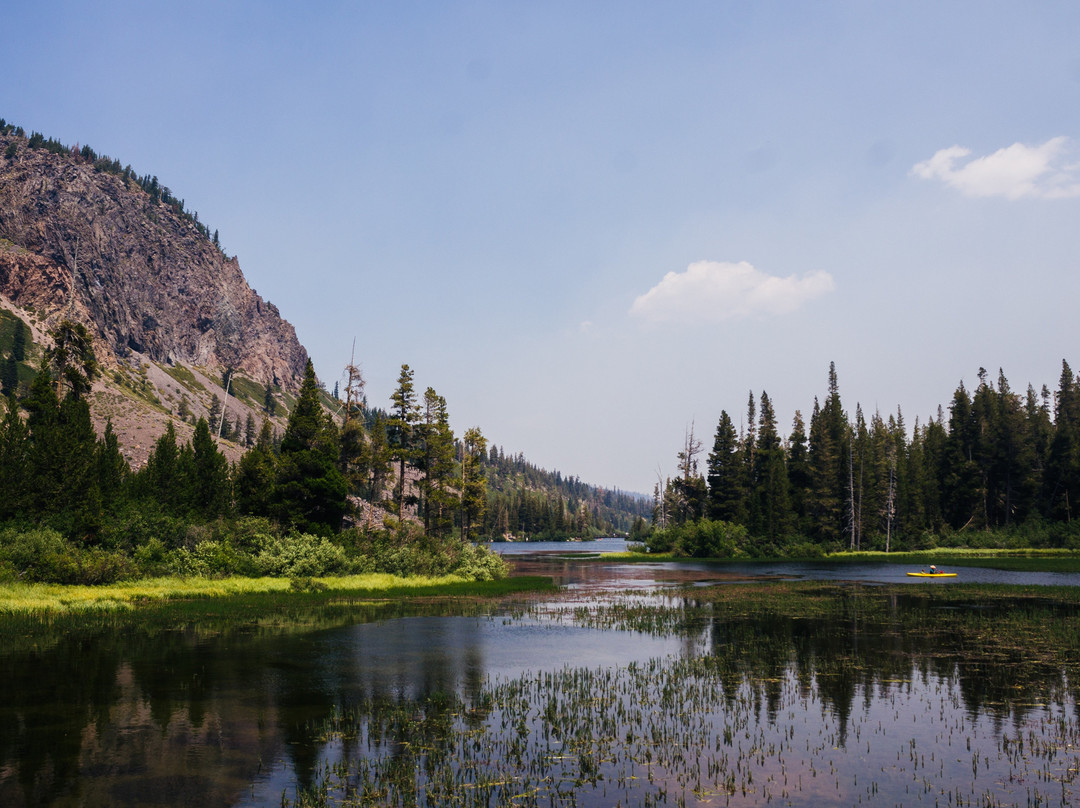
640 684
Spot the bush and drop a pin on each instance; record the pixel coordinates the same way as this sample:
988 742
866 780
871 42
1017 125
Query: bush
702 539
42 555
403 549
152 558
212 559
137 526
301 556
804 549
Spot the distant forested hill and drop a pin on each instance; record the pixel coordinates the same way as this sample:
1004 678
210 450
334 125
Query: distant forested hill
525 500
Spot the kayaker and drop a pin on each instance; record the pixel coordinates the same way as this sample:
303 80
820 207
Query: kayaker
933 570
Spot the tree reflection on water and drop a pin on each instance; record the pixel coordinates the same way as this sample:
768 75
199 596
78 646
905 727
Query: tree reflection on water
794 691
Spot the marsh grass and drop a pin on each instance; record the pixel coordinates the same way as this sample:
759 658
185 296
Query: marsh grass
802 693
1019 559
37 599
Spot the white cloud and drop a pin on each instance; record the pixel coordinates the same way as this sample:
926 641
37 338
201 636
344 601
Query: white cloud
711 291
1014 172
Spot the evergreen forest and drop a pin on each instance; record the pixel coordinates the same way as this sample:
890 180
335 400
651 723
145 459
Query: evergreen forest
999 469
344 488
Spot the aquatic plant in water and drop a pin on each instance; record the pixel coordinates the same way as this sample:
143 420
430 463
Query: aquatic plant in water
799 695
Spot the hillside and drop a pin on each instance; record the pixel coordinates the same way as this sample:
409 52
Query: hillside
180 335
83 239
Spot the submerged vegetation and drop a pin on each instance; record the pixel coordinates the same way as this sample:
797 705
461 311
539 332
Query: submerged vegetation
786 686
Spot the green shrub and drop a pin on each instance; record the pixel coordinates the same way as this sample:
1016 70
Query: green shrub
301 556
43 555
152 558
39 554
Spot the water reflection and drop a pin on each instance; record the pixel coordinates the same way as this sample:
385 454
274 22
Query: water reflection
238 714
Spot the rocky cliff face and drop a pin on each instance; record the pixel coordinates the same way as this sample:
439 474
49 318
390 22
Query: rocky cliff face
95 247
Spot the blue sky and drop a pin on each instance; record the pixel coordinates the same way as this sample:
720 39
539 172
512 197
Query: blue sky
589 225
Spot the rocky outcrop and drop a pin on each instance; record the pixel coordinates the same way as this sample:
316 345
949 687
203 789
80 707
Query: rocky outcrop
94 246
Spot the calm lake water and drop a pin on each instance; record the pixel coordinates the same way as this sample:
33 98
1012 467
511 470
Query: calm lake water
618 691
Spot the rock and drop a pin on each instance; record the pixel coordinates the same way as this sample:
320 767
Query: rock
91 246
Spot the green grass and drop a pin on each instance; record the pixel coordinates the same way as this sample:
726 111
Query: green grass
27 600
1024 559
631 556
184 376
246 390
1018 559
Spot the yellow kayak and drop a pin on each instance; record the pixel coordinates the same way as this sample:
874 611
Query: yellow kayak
932 574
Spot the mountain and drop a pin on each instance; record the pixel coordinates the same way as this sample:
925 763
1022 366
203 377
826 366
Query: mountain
180 334
170 313
94 245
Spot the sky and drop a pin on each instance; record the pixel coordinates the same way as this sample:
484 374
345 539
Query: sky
594 226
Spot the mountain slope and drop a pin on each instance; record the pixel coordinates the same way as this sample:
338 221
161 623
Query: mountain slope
78 241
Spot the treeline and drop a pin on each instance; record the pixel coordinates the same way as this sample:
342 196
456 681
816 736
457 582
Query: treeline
157 192
1000 466
73 510
528 502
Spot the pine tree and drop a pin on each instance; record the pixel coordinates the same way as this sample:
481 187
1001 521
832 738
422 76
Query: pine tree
436 463
1063 464
771 514
113 470
379 464
401 427
18 341
829 454
269 402
9 376
473 482
961 483
310 490
798 466
687 493
213 415
209 488
14 462
72 359
160 480
727 498
255 475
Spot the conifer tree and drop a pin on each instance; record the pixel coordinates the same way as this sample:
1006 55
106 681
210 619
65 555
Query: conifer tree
436 463
771 517
18 341
255 475
14 462
160 480
687 494
1040 433
208 488
72 360
401 427
1063 464
961 483
798 466
829 450
113 470
379 464
473 482
9 375
310 490
726 495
